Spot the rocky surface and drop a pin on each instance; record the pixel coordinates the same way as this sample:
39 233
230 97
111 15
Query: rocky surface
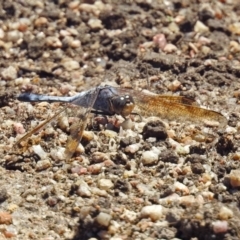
155 180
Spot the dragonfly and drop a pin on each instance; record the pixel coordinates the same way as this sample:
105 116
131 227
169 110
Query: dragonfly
109 100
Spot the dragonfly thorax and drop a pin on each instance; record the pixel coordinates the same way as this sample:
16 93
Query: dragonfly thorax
122 105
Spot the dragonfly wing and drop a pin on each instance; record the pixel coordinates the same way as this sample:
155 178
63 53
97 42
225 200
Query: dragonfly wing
142 94
173 110
172 107
178 99
77 128
39 127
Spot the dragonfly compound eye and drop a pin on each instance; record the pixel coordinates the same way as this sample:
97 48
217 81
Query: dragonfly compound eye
122 105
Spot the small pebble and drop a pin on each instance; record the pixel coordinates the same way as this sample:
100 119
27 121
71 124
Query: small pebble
31 198
12 207
70 65
43 165
128 174
220 226
14 36
155 212
58 154
236 156
103 219
234 47
18 128
181 187
40 22
149 158
208 195
2 33
170 48
174 86
225 213
200 27
187 200
105 184
95 168
127 124
99 157
9 73
160 40
99 192
95 24
79 170
75 43
234 177
37 149
53 42
234 28
109 133
181 150
5 218
84 190
73 4
133 148
129 216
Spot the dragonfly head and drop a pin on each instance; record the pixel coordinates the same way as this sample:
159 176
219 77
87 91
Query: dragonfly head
122 105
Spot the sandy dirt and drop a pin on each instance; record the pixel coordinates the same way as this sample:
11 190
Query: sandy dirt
158 179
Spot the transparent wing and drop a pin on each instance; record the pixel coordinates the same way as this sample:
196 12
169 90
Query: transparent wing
39 127
79 117
139 94
77 128
172 108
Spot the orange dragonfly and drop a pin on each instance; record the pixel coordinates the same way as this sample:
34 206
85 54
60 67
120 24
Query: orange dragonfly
108 100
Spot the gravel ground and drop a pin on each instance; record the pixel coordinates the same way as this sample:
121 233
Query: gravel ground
157 180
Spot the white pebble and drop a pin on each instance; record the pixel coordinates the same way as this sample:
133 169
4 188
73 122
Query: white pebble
31 198
58 154
230 130
37 149
183 150
187 200
53 42
149 157
225 213
220 226
2 33
155 212
14 36
200 27
129 216
133 148
105 184
84 189
103 219
95 24
128 173
71 65
181 187
9 73
99 192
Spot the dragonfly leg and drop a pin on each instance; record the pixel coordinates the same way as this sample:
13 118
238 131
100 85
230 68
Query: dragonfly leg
137 114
